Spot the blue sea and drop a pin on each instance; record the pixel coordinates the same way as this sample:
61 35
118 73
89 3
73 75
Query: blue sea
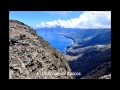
82 36
58 41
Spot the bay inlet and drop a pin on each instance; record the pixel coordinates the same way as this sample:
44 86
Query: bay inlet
58 41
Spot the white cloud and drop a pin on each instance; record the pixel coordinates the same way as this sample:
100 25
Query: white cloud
89 19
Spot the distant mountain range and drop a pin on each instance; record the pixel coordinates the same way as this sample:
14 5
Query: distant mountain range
86 37
91 52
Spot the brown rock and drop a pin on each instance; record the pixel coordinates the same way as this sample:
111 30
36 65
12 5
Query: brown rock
30 55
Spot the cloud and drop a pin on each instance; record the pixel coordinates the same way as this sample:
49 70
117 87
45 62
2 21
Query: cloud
89 19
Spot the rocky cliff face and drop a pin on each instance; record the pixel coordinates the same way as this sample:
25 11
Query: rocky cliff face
106 77
31 57
93 61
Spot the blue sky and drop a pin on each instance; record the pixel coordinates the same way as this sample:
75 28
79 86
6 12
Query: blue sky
33 18
66 19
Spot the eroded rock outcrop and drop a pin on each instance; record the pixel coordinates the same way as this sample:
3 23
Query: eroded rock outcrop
30 55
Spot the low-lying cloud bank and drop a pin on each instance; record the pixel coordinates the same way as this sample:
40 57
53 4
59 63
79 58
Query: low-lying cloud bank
89 19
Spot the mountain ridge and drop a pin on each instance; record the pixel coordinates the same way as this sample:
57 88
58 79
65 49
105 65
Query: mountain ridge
30 55
89 45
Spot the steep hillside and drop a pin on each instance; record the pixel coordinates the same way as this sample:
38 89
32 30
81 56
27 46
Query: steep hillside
30 56
106 77
92 61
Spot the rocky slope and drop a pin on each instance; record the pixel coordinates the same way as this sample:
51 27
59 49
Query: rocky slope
30 56
90 53
106 77
93 61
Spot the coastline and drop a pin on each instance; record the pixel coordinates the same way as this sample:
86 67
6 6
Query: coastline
67 37
73 41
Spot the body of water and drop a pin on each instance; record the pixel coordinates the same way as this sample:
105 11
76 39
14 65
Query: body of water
60 42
